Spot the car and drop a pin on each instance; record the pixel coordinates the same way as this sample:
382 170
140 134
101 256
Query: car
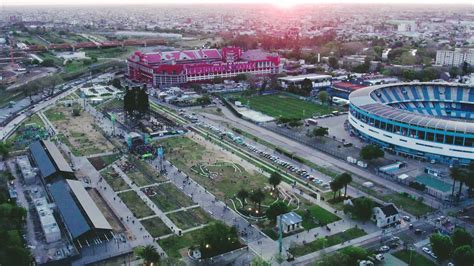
410 226
406 218
379 257
384 248
433 255
426 250
418 231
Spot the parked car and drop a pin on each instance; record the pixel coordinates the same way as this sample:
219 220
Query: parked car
384 248
426 250
406 218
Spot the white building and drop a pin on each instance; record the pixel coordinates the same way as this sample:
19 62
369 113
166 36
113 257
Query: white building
317 80
290 222
27 171
455 58
48 222
385 216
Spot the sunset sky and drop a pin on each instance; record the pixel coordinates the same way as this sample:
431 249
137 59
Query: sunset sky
281 3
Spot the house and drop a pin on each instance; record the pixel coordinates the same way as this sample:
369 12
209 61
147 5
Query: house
290 222
385 216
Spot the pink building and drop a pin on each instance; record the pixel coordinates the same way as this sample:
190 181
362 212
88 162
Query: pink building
177 67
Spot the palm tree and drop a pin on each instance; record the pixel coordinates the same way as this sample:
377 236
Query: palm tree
345 179
242 194
257 197
335 186
148 254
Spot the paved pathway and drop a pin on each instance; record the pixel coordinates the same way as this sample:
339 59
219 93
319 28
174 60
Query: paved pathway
147 200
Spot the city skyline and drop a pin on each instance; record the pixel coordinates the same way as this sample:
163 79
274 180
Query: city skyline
278 3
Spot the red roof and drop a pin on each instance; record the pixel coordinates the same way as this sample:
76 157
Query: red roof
348 86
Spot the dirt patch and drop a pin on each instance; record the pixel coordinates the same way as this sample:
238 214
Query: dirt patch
80 132
117 227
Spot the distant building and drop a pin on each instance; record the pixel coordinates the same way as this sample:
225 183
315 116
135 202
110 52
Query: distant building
385 216
454 58
317 80
176 67
290 222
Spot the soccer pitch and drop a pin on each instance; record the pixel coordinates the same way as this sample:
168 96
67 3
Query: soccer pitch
278 105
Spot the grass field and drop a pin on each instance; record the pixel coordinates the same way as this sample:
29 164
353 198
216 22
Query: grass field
143 174
315 216
285 106
135 204
114 180
156 227
115 52
413 258
54 114
410 205
169 198
321 243
190 218
176 245
185 153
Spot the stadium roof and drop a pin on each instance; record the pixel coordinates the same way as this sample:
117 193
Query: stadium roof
88 205
300 78
75 221
180 55
57 157
42 159
362 99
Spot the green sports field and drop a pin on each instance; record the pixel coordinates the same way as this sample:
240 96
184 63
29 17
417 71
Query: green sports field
277 105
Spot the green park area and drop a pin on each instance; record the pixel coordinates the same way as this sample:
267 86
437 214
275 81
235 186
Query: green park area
114 52
114 180
31 129
167 197
135 204
142 173
325 242
315 216
217 171
408 204
189 218
156 227
100 162
279 105
413 258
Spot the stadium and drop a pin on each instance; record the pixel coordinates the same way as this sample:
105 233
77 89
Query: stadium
161 69
428 121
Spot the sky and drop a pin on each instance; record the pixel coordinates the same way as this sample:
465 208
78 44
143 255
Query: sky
280 3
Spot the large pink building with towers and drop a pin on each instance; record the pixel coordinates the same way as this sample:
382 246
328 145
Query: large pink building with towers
161 69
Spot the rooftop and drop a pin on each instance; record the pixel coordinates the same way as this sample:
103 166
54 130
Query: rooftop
291 218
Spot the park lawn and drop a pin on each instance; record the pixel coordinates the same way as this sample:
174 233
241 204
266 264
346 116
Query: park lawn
174 244
114 52
315 216
74 66
19 141
114 179
156 227
169 198
143 174
321 243
189 218
278 105
136 205
53 114
413 258
185 154
410 205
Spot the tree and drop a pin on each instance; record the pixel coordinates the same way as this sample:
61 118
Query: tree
354 254
371 152
307 86
276 209
148 254
457 174
76 111
323 96
204 100
463 256
362 208
257 196
333 62
441 245
470 179
345 179
275 180
48 62
461 237
4 149
320 132
217 80
218 238
116 83
335 186
242 194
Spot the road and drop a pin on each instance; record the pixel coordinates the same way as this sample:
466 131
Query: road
311 154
